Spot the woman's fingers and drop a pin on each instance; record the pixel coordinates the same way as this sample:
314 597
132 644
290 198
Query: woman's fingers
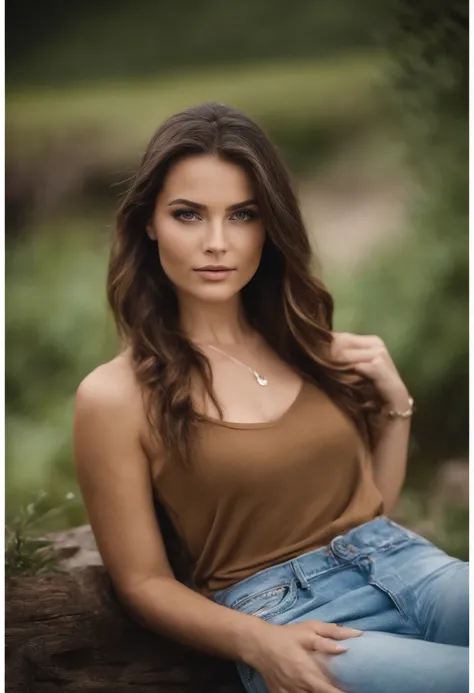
322 686
327 645
324 636
332 630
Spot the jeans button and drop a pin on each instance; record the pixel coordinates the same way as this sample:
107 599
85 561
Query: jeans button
339 546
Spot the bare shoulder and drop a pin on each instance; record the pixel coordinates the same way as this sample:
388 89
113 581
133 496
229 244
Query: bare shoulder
109 402
113 472
112 386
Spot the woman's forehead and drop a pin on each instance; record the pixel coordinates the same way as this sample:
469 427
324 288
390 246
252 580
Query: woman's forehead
211 180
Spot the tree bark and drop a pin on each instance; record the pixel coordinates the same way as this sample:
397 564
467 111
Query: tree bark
67 631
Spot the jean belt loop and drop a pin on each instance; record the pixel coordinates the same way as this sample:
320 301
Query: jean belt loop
300 576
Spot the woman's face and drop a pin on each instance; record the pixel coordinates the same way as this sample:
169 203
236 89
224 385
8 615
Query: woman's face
204 216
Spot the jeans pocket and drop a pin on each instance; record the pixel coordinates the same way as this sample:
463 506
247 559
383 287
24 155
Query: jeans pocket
268 602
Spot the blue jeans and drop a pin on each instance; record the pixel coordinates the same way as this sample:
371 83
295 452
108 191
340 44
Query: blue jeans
408 596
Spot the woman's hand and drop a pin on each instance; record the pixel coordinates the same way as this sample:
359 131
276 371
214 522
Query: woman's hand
293 658
368 355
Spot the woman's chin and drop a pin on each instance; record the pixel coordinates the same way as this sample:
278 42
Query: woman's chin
213 293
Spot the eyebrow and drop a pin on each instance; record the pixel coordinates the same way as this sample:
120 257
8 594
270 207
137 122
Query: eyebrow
198 205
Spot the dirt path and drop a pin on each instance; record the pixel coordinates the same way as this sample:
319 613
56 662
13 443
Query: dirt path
349 214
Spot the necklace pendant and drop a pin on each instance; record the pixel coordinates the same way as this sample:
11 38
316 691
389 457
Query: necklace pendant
259 379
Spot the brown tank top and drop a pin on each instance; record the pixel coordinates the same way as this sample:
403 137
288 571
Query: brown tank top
258 494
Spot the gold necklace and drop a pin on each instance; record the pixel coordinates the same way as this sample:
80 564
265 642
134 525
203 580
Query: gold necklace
259 378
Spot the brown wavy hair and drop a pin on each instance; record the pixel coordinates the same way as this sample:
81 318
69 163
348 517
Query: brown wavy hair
289 306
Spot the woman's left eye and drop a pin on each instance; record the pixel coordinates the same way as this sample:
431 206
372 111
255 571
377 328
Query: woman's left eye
251 215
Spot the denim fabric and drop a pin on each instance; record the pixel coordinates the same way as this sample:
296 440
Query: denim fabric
408 596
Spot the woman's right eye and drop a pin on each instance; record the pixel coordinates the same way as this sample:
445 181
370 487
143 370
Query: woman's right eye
178 214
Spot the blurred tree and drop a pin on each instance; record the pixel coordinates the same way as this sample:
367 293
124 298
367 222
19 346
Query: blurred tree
431 90
418 293
54 42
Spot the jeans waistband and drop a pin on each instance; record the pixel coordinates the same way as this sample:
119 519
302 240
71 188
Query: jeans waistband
358 542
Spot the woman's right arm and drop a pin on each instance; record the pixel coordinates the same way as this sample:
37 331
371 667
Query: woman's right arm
113 474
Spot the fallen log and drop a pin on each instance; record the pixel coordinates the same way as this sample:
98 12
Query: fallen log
67 631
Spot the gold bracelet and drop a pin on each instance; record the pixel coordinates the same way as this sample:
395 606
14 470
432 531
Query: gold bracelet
393 413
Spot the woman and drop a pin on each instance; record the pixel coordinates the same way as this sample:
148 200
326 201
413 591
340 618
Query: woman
276 446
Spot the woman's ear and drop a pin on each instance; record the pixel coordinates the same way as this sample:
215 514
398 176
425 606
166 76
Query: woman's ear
150 231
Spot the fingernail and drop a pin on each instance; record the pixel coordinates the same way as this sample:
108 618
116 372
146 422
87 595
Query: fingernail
353 630
340 648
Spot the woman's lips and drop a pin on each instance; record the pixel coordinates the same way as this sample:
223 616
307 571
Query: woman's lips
214 275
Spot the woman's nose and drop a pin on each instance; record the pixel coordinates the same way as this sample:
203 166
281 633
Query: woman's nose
215 238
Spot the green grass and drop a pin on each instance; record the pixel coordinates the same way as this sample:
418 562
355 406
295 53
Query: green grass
293 94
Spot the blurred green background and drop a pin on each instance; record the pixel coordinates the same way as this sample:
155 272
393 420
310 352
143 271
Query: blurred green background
368 102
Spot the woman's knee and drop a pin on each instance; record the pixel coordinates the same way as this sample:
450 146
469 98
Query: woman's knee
386 663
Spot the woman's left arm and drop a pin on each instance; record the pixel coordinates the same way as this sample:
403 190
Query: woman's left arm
390 457
369 356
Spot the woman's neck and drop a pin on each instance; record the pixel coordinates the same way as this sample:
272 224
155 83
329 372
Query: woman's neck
221 323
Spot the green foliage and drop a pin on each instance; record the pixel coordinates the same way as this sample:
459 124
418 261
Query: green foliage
447 527
416 295
57 330
90 41
26 551
453 535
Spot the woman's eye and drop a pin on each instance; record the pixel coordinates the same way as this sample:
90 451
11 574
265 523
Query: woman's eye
178 214
250 215
189 215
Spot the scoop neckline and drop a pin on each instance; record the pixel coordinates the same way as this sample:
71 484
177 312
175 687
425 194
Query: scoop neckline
257 424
